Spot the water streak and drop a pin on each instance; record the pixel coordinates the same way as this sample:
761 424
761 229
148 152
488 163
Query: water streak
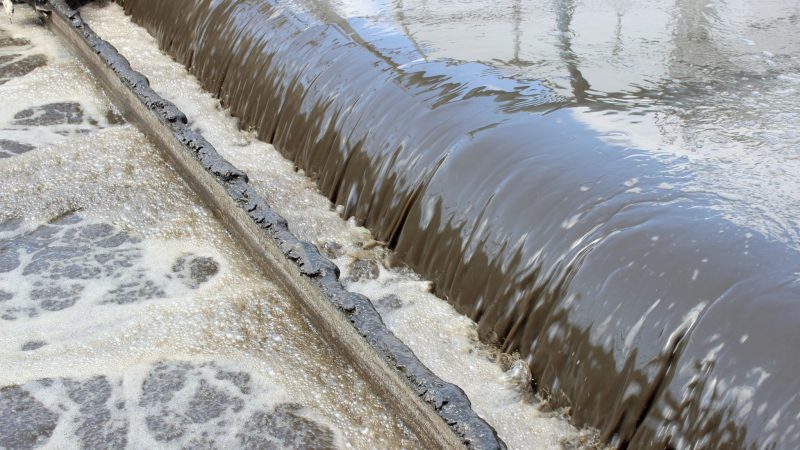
621 276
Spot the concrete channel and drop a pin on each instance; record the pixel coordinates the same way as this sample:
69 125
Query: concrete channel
221 234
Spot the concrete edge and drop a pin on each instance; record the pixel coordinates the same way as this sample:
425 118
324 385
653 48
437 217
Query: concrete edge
438 412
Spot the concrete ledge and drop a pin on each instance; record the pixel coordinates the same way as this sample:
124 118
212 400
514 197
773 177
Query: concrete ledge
439 413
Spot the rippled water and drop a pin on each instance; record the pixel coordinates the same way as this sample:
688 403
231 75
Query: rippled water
443 339
709 86
604 187
128 316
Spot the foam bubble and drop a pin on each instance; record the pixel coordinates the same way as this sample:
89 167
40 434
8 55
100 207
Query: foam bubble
173 403
123 302
442 338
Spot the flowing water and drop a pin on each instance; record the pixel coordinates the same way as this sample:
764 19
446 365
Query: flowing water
604 186
443 339
128 316
708 86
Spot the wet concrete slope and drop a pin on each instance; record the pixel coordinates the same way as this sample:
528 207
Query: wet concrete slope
636 300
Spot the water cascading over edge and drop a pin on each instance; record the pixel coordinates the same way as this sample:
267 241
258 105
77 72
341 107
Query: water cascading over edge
630 298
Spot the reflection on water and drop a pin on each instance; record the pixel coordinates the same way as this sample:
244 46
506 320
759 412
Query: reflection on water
710 86
621 221
442 338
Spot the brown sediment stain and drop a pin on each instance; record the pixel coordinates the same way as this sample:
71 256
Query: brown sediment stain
655 318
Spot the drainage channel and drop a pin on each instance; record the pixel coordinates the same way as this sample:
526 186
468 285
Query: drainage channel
152 304
497 385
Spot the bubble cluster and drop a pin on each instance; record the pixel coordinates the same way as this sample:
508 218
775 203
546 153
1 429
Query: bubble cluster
130 317
443 339
57 264
186 404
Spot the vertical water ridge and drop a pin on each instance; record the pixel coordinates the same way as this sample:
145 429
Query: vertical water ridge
636 302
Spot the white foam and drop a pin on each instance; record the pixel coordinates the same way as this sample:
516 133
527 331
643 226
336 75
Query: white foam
205 303
443 339
60 81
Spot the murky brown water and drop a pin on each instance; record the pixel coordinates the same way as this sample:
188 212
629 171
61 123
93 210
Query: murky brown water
129 318
606 187
443 339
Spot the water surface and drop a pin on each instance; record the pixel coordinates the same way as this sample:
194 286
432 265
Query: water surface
128 315
606 189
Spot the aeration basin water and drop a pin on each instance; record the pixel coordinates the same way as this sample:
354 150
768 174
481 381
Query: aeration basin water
130 318
603 190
